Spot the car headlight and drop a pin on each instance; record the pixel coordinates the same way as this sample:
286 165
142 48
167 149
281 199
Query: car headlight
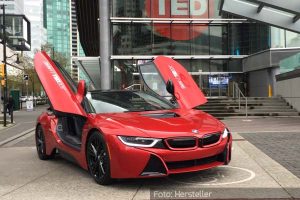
225 133
139 141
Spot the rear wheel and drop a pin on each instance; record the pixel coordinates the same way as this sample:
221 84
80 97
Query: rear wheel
41 144
98 159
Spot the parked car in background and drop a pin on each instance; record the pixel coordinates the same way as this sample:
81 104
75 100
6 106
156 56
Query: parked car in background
23 98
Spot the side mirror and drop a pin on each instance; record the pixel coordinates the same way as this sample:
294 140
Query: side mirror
170 87
81 90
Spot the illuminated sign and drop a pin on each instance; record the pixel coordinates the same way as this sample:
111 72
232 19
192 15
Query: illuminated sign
179 9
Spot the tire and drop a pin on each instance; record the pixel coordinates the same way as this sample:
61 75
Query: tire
41 144
98 159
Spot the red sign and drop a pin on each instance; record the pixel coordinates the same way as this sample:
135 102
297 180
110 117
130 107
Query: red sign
179 9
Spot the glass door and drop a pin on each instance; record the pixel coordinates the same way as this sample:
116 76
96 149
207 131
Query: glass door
213 84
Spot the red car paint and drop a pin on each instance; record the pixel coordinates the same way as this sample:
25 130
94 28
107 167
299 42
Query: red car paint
126 161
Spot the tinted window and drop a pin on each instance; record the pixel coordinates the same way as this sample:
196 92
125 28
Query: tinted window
126 101
153 79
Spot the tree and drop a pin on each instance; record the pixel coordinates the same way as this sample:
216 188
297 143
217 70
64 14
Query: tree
59 57
17 81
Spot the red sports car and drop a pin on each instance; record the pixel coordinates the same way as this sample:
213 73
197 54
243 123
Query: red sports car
130 134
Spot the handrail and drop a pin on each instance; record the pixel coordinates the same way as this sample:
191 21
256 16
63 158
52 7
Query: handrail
237 93
131 87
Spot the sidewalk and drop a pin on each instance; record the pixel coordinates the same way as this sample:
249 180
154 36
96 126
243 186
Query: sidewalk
263 124
24 120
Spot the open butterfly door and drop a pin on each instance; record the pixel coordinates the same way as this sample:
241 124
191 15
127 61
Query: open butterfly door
60 91
156 74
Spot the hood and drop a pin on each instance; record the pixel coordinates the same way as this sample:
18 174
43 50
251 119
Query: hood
163 127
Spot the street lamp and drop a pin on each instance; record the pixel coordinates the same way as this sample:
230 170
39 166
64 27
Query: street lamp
18 58
4 61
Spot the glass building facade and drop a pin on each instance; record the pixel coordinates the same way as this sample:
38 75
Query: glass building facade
284 39
184 30
217 48
57 23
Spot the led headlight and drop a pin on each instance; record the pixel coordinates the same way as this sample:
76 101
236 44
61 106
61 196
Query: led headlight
225 133
139 141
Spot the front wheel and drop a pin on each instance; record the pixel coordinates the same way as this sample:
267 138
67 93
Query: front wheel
40 143
98 159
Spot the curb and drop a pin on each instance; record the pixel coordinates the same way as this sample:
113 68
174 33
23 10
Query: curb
16 136
10 125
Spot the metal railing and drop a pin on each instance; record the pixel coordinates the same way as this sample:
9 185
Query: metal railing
238 94
134 87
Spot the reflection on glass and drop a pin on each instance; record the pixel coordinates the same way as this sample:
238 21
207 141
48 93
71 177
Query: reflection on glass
292 39
123 73
161 44
122 39
142 39
199 66
277 37
214 6
217 47
128 8
200 41
218 65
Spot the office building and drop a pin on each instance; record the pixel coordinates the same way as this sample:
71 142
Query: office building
216 46
33 9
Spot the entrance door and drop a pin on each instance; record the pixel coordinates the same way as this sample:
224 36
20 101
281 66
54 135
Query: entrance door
214 84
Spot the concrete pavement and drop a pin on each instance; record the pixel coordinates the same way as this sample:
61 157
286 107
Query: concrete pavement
24 120
251 174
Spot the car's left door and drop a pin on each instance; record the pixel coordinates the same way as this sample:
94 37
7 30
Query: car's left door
60 90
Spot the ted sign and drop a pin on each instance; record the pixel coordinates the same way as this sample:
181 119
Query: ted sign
179 9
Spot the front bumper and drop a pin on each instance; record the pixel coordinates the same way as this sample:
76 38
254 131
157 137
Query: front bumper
132 162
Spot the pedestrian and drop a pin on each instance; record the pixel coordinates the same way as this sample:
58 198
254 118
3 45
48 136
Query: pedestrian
10 105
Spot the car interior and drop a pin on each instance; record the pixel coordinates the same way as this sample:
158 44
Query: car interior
69 129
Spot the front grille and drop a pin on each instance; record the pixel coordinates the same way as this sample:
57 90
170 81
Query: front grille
180 143
191 163
209 139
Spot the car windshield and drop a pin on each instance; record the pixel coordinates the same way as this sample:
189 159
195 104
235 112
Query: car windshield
126 101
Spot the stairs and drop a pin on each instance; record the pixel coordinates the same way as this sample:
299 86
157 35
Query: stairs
225 107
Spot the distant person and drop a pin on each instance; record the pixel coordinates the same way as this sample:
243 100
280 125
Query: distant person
10 105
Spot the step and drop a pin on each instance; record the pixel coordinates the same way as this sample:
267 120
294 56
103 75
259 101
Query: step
243 101
270 107
250 107
218 111
268 110
249 98
217 108
249 104
256 114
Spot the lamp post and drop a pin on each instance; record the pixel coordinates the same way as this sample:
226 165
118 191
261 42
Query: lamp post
4 61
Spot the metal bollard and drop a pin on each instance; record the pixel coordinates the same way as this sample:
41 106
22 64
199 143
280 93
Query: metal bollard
12 116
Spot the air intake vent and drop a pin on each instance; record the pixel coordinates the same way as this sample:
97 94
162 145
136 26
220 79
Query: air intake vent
154 167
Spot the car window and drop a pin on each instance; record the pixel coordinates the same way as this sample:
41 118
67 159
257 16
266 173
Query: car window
127 101
153 80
